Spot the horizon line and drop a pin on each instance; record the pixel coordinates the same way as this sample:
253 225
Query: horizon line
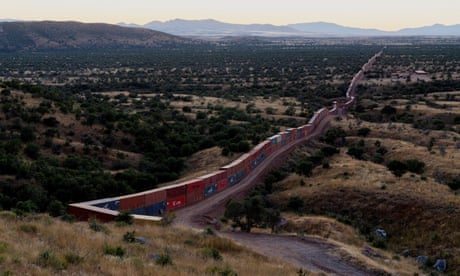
226 22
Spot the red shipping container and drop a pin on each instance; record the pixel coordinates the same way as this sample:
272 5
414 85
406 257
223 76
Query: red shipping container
176 203
176 190
195 191
155 196
133 201
222 184
82 213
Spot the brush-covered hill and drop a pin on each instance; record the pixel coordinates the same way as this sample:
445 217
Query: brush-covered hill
48 35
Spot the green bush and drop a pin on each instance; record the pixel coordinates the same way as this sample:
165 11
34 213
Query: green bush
129 237
295 203
415 166
398 168
114 251
125 217
222 271
212 253
97 227
164 259
364 131
74 259
47 259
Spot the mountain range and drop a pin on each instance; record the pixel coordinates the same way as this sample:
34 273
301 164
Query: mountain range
210 27
19 35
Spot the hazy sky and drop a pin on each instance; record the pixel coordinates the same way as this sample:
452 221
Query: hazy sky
382 14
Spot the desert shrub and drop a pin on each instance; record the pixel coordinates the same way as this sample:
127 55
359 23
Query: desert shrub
125 217
454 184
97 227
168 219
305 167
164 259
114 251
32 150
211 253
415 166
295 203
74 259
222 271
329 151
398 168
129 236
364 131
47 258
356 151
56 208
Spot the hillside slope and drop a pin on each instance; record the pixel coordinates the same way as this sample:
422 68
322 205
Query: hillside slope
73 35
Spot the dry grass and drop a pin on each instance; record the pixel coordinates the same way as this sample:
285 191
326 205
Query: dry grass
40 245
418 212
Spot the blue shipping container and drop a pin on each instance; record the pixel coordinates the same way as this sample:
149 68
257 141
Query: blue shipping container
156 209
113 205
210 190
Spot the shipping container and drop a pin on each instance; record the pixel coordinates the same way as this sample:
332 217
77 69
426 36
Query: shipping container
176 202
210 190
195 190
235 172
222 184
157 209
155 196
300 132
111 204
132 201
84 211
291 134
175 190
259 153
309 128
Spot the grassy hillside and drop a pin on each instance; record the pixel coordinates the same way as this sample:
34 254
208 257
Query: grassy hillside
41 245
418 210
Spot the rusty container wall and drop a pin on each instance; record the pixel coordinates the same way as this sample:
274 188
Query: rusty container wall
155 196
176 202
176 190
133 201
195 191
81 213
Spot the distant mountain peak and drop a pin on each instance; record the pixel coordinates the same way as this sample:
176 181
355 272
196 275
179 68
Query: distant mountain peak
212 27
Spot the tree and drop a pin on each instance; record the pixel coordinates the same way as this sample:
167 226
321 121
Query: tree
273 217
27 134
388 110
364 131
398 168
56 208
295 203
305 167
235 212
415 166
32 150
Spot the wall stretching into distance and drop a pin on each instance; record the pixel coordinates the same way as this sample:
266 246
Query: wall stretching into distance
152 204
